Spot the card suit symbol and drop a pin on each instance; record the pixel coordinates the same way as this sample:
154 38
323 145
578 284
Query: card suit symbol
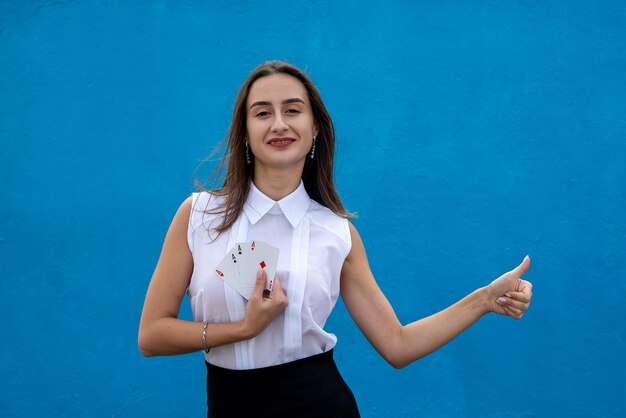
220 273
262 263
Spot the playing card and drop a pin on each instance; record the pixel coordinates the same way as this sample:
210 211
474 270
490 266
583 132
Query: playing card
258 254
228 269
240 265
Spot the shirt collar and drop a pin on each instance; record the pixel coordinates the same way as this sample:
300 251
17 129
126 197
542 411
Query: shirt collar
293 206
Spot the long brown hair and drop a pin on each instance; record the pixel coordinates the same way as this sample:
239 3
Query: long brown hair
317 174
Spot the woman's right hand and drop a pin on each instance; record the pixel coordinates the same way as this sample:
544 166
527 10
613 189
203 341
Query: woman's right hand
264 306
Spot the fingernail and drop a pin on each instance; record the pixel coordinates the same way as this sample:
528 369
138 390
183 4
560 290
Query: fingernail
507 294
501 301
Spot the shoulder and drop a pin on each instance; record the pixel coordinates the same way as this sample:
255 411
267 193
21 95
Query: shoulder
323 216
184 210
179 226
203 204
356 265
331 223
205 201
357 251
204 213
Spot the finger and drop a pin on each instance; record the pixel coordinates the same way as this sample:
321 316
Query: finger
518 296
523 267
277 287
523 288
278 293
507 301
526 287
513 312
259 285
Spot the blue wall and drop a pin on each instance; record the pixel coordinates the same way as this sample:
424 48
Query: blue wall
470 134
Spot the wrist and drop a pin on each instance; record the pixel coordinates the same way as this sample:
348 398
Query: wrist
482 298
205 347
245 331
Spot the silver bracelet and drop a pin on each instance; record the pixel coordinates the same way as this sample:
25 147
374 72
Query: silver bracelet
206 349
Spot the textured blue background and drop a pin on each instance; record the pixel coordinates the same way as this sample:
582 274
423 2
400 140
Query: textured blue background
470 134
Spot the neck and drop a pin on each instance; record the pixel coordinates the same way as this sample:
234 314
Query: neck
276 183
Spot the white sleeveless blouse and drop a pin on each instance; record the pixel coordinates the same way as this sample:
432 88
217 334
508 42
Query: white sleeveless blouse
313 244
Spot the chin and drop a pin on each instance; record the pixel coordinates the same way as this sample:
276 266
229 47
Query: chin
282 163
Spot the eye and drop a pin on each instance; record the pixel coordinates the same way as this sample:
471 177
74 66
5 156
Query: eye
293 111
262 113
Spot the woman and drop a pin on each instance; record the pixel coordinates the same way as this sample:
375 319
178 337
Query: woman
270 356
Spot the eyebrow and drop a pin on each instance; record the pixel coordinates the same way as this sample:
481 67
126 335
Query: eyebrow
266 103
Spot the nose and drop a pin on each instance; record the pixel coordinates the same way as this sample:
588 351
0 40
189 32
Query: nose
279 124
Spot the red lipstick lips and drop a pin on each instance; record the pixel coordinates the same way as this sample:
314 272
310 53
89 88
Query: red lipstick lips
281 142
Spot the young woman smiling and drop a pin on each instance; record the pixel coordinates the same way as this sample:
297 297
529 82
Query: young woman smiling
270 355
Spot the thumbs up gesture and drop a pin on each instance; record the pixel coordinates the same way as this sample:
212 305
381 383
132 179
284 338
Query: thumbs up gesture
509 294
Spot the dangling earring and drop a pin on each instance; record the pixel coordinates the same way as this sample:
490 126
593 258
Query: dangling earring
247 153
313 149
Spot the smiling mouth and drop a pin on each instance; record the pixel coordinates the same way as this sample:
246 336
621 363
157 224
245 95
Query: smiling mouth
281 141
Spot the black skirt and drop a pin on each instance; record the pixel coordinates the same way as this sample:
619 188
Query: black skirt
310 387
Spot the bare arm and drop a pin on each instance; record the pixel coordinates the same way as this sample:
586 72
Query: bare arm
160 330
400 345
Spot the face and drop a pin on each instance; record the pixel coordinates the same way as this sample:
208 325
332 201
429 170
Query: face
279 122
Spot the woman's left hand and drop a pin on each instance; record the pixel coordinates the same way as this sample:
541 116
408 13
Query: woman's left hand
509 294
